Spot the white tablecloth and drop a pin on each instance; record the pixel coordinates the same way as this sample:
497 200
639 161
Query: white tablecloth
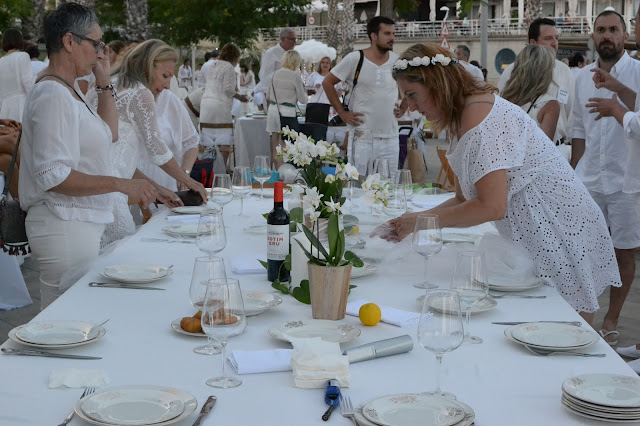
503 382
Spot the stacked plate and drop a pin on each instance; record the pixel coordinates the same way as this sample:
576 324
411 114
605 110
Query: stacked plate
136 405
186 230
509 284
604 397
552 337
414 409
57 334
329 331
136 274
481 305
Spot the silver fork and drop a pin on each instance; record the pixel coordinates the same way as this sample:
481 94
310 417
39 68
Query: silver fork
87 391
520 296
543 352
346 409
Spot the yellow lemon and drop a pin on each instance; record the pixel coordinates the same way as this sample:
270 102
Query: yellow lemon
354 230
370 314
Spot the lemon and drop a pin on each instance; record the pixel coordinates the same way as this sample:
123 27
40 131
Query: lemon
354 230
370 314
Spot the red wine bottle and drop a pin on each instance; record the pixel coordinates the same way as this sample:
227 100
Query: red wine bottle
277 237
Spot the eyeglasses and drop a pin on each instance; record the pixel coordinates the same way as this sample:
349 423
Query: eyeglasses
291 38
98 45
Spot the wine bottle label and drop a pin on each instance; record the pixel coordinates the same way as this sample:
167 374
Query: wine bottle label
277 242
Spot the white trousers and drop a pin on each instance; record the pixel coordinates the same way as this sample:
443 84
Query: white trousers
59 246
363 153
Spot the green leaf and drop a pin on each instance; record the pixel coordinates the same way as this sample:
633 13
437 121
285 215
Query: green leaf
279 286
302 293
334 236
265 215
354 259
263 263
296 215
306 252
315 242
287 262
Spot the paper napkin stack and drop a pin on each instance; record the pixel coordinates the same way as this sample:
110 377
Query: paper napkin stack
315 361
76 378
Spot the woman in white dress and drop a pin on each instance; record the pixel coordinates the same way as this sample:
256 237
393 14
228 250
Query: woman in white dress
144 73
246 83
508 171
185 75
16 76
315 79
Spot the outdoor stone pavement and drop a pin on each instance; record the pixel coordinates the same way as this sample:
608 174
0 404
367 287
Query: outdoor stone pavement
628 326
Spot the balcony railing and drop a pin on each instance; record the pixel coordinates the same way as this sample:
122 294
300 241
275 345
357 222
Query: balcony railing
578 26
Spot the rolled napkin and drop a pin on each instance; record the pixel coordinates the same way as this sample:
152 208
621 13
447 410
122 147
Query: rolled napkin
315 361
184 218
76 378
267 361
379 349
389 315
245 265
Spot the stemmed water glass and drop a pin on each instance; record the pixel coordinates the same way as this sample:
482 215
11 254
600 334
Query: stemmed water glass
261 171
381 166
440 331
223 317
204 270
404 179
221 190
396 204
241 185
470 282
427 241
211 237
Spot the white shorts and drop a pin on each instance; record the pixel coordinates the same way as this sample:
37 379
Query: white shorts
622 216
379 148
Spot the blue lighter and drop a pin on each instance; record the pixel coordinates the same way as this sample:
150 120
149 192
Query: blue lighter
331 397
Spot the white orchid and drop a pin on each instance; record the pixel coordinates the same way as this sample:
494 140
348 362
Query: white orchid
313 216
312 197
371 181
330 178
351 171
333 207
289 133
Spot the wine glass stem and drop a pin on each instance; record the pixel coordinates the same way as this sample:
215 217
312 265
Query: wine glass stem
209 343
467 332
261 189
438 365
241 206
224 358
426 264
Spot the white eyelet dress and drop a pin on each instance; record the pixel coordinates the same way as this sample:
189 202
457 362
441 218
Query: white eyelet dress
549 211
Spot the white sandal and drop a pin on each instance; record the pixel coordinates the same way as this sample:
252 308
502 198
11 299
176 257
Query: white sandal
613 333
629 352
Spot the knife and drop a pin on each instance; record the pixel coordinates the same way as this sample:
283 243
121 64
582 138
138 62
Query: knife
205 410
31 352
116 285
576 323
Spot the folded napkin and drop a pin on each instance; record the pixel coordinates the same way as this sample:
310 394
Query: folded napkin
267 361
430 201
76 378
389 315
315 362
184 219
245 265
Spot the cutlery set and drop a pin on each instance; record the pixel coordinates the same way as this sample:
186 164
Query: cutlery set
128 286
33 352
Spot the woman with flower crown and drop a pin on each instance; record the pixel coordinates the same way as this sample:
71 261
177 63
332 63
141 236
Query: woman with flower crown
508 171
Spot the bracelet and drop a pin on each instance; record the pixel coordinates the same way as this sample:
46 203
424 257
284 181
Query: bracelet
100 90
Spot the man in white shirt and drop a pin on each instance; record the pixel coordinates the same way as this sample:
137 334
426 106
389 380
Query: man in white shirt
599 154
272 61
542 31
372 113
463 53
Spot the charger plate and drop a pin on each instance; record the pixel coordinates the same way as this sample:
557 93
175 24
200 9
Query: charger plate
136 274
58 332
507 334
552 335
418 409
609 390
12 335
329 331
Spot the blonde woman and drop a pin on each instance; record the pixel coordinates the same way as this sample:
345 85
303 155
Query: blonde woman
142 75
530 80
284 90
509 172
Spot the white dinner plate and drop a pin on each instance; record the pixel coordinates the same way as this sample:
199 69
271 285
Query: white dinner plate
611 390
466 420
175 325
136 274
256 302
597 410
600 418
365 270
58 332
601 408
511 285
413 409
137 410
256 229
482 305
507 334
12 335
187 230
329 331
552 335
190 209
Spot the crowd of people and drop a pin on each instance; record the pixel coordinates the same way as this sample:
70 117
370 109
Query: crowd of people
549 155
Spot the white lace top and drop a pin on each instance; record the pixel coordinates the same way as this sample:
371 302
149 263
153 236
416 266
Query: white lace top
60 134
549 211
221 81
16 79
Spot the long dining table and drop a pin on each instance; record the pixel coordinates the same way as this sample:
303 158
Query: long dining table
503 382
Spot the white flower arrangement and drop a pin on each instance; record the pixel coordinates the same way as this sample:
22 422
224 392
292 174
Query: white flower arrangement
425 61
301 149
376 190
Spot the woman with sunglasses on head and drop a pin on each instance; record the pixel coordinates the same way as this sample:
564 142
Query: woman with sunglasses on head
65 175
509 172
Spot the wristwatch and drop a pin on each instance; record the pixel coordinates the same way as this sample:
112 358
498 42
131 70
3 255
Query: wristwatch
187 171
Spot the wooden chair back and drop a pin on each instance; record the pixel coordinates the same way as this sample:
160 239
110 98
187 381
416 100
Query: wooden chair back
448 178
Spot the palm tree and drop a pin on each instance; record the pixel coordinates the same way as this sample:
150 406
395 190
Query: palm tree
333 35
32 25
348 33
137 12
532 11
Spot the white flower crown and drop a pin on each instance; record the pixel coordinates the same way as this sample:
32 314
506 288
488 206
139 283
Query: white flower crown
403 64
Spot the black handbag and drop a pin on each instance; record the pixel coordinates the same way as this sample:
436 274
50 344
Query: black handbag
13 234
336 121
317 113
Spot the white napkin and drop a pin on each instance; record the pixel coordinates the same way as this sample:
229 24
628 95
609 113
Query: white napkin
245 265
184 218
315 362
76 378
430 201
267 361
389 315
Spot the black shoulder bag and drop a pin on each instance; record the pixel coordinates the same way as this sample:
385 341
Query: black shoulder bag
336 121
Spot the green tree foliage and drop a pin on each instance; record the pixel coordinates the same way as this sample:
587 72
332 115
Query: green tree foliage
10 10
182 22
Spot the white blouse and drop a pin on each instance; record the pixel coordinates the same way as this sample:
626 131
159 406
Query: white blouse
61 134
16 79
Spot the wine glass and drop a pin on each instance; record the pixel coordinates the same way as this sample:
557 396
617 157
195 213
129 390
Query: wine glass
221 190
440 328
396 204
223 317
404 179
470 282
204 270
211 237
261 171
427 241
241 185
381 166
